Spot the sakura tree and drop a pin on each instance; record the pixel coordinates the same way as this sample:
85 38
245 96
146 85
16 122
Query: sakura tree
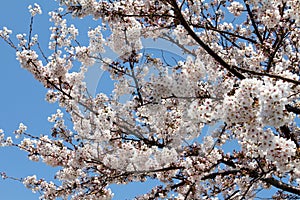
240 76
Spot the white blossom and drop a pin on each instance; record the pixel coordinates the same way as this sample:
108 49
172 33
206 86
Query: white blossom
22 128
211 115
236 8
35 9
4 33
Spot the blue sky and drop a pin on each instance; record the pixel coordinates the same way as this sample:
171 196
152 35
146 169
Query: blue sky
22 100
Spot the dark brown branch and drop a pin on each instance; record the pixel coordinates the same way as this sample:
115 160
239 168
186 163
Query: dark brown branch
267 74
189 191
137 87
232 34
253 22
289 135
254 174
201 43
276 46
232 195
292 109
178 185
222 173
283 186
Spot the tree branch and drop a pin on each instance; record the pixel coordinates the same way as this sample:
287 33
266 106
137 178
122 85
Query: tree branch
283 186
292 109
212 53
267 74
253 22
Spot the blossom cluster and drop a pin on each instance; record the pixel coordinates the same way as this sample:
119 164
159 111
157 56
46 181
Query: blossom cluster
236 8
5 32
35 9
22 129
237 82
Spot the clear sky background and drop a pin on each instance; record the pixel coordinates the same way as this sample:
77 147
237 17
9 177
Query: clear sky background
22 100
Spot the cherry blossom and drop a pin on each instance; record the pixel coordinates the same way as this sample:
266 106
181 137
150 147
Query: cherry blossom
35 9
221 122
236 8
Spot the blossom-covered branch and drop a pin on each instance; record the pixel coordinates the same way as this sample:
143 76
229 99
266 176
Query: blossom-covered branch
217 123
